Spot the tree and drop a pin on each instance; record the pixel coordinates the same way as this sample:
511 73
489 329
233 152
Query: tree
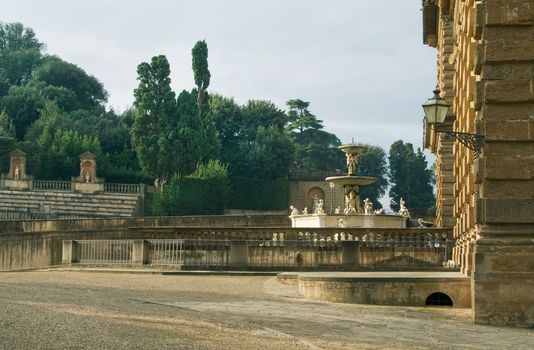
271 154
64 149
6 125
263 113
156 105
209 140
409 177
300 118
316 149
228 119
20 53
23 105
373 162
201 72
89 91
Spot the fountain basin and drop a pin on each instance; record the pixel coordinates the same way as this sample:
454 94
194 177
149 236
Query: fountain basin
352 220
345 180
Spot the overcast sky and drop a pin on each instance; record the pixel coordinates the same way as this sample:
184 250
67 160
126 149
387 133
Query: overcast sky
361 63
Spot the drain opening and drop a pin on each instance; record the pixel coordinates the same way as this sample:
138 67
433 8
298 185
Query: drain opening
438 299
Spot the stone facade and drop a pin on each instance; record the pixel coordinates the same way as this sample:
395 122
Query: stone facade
302 190
486 71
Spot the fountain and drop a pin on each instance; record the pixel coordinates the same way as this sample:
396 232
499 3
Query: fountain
353 215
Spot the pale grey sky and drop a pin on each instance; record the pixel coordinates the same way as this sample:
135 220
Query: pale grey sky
361 63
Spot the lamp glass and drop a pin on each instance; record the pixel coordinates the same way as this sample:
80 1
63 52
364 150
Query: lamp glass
435 109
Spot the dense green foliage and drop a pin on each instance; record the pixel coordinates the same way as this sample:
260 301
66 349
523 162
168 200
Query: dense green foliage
373 162
55 108
316 149
409 176
204 193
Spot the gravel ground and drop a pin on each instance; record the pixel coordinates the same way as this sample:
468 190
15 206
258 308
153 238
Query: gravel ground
80 310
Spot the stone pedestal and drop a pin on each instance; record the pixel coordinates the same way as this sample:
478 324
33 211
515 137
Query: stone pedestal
139 252
239 254
17 184
90 187
70 252
350 254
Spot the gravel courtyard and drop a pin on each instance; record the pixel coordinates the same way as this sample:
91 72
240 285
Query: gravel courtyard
80 310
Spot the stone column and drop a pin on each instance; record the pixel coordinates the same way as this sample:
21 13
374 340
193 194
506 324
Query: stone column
70 253
140 252
239 254
350 254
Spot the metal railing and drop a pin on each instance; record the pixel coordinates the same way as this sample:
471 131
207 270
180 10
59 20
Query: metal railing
105 251
195 253
406 254
50 185
293 254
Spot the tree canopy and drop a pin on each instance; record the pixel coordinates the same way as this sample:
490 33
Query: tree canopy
409 176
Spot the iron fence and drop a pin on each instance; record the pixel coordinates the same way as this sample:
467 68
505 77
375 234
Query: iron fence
293 254
194 253
399 250
105 251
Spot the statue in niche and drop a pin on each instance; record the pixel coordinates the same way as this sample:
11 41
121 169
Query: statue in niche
87 177
17 173
403 211
352 165
368 207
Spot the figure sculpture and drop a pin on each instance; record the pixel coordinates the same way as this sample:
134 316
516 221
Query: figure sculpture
352 166
305 211
403 211
350 203
17 173
294 211
87 177
368 207
319 207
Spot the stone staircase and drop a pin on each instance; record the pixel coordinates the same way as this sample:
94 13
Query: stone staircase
65 204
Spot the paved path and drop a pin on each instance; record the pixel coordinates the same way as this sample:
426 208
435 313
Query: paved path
78 310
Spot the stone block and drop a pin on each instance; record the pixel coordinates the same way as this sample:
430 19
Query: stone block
503 281
508 71
509 130
504 211
508 189
514 12
502 91
510 51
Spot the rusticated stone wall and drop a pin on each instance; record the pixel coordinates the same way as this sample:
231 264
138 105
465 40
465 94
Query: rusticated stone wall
493 95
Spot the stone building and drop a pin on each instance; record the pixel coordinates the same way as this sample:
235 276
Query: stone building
485 70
